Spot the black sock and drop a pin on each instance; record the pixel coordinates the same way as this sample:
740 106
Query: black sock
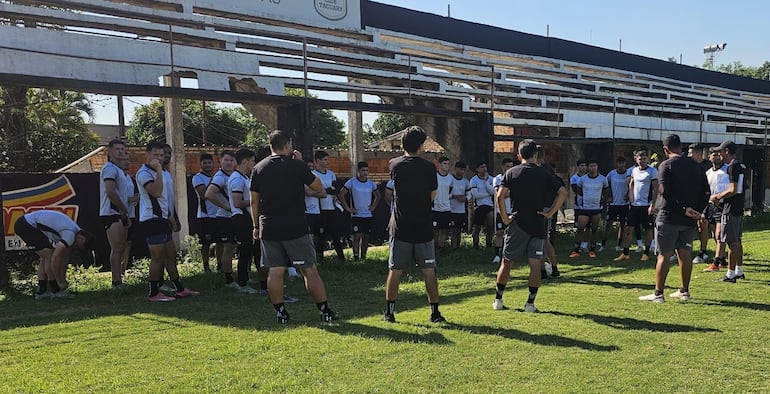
532 295
390 308
497 250
263 284
684 289
620 241
117 282
42 286
577 247
626 251
658 292
154 285
499 291
229 277
53 286
178 284
647 250
593 248
322 306
280 310
434 308
702 253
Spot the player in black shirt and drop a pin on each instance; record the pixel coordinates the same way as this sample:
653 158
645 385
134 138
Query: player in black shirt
732 211
278 213
528 185
411 227
683 194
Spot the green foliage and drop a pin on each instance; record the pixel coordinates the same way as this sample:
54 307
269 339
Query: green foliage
54 130
385 125
737 68
225 125
327 129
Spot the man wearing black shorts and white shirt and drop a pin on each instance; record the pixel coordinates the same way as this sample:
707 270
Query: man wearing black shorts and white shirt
207 211
411 233
132 196
364 197
155 218
278 214
642 192
458 203
582 169
482 191
592 187
732 210
442 215
719 181
51 235
329 222
216 192
243 228
617 212
113 207
684 194
313 212
507 164
527 186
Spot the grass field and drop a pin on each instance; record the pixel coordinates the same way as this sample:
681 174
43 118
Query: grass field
593 335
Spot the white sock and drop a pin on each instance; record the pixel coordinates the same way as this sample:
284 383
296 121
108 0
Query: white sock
738 270
730 273
583 245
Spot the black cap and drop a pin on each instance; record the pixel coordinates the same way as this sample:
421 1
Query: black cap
731 146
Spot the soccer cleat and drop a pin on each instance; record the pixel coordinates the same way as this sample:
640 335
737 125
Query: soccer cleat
741 276
574 254
247 290
697 259
62 294
282 318
166 289
232 285
530 307
683 295
712 268
437 318
160 297
390 318
496 260
618 248
555 273
653 298
727 279
498 305
44 296
644 257
187 293
622 257
592 254
328 316
290 299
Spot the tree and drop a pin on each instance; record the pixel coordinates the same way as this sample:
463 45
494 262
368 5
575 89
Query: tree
327 130
224 125
385 125
48 123
737 68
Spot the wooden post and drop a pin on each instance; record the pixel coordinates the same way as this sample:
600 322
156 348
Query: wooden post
178 166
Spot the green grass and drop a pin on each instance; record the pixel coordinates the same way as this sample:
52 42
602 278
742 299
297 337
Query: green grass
593 335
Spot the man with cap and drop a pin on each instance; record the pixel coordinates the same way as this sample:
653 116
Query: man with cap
732 211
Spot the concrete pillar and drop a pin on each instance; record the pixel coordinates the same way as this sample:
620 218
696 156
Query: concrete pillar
178 166
355 134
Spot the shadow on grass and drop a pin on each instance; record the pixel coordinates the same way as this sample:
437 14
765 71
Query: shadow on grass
736 304
627 323
374 332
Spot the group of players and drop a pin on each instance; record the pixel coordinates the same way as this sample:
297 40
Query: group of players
231 218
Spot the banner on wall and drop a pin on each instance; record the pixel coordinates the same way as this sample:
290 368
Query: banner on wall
333 14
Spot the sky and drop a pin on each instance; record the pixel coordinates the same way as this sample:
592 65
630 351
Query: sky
653 28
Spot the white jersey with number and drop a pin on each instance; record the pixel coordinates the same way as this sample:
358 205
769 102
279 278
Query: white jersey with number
482 191
327 180
441 202
460 187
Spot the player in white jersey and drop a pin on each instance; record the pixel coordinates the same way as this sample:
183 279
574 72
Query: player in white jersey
499 225
207 211
582 168
313 212
330 224
51 235
364 197
719 181
243 227
113 207
483 193
132 196
642 191
441 212
155 218
593 188
617 211
216 192
458 203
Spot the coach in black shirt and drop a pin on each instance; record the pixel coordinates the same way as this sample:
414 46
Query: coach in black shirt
528 185
732 211
278 213
683 194
411 227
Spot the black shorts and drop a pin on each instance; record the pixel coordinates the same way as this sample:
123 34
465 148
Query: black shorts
459 220
499 225
441 220
34 238
713 214
330 223
207 230
589 212
242 229
638 216
155 227
224 232
360 225
480 214
314 223
108 221
131 229
617 213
